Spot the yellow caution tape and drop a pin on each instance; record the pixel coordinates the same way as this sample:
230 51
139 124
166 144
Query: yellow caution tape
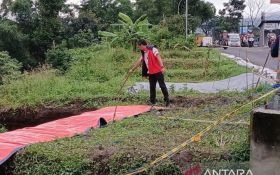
196 137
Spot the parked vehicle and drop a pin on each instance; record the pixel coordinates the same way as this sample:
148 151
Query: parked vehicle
234 40
207 41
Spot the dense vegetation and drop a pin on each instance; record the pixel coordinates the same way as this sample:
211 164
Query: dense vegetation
126 145
28 29
97 71
94 73
53 53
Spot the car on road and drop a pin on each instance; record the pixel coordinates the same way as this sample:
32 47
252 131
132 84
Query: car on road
234 40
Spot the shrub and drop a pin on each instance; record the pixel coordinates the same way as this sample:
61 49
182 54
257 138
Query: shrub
159 36
59 59
2 129
240 152
182 42
9 68
83 38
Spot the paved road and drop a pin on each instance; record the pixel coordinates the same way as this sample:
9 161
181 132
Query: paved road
256 55
237 83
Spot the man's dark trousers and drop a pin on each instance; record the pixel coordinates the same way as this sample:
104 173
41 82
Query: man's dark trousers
153 79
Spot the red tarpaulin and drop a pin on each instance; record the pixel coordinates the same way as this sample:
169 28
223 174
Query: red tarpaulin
11 142
274 1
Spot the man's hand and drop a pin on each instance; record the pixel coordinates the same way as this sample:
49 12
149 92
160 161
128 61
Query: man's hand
162 69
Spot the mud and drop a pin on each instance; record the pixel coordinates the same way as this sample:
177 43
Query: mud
29 116
102 156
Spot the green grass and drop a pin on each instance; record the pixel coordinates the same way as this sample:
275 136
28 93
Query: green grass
2 129
97 71
94 77
131 143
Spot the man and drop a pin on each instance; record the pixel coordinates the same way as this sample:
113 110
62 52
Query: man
275 53
271 38
225 38
275 48
152 63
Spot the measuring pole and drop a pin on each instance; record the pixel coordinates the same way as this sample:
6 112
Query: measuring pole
186 19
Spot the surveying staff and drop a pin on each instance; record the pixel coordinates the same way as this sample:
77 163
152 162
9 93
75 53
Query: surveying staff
152 66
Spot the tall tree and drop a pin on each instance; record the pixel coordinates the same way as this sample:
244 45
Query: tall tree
231 14
255 7
4 10
156 10
84 28
199 12
14 42
107 11
25 14
40 21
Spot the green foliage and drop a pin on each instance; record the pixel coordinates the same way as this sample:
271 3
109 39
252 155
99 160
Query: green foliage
39 27
174 12
5 7
25 15
107 10
40 23
59 59
129 144
83 38
167 168
231 15
200 9
9 68
2 129
81 31
97 71
155 10
175 24
130 31
240 152
160 35
13 41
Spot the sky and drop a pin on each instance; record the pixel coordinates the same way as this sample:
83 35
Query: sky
218 3
269 8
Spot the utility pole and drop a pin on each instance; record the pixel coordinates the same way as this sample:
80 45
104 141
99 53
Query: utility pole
186 19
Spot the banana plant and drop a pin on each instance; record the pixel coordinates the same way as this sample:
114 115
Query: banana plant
130 31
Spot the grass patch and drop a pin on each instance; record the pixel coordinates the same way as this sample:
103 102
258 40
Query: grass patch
2 129
97 71
128 144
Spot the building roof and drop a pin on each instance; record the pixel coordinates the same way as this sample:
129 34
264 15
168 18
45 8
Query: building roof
269 21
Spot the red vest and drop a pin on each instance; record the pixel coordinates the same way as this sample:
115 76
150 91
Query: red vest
153 62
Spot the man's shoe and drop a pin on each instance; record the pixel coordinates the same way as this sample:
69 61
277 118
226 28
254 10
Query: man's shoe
152 103
167 103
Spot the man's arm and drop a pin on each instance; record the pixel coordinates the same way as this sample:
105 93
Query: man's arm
160 62
136 65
